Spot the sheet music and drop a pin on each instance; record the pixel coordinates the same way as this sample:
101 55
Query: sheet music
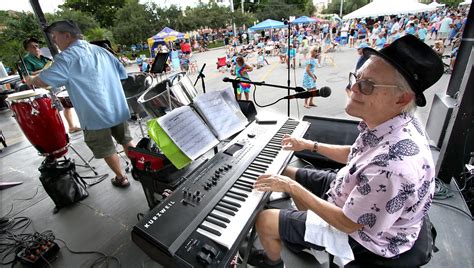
188 131
221 113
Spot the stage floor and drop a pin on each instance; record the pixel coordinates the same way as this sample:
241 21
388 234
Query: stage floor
103 221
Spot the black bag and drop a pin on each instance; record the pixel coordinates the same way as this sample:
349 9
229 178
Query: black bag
62 183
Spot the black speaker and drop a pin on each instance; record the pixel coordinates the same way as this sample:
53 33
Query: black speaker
439 117
331 131
248 109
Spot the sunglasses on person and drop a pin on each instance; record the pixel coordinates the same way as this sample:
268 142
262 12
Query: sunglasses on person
366 87
34 45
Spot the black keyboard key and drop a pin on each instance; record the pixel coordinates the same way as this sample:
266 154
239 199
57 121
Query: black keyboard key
234 196
242 187
224 210
210 230
216 222
230 203
238 193
219 217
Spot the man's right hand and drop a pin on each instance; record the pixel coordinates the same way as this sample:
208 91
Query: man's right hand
295 144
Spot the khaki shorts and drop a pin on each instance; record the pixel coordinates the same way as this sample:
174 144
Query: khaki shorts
101 143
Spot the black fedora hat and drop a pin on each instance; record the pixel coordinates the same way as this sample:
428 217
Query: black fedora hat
416 61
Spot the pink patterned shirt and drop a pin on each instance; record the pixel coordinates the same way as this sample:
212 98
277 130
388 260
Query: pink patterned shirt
387 185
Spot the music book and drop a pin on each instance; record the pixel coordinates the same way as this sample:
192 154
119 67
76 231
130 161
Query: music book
213 117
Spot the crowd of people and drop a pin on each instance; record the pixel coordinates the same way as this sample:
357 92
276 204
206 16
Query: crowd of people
441 29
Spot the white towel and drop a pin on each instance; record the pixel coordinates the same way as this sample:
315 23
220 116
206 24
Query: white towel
319 232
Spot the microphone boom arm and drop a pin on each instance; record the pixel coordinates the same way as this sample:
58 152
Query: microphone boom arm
262 83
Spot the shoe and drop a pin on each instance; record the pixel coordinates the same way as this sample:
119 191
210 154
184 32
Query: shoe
123 182
259 258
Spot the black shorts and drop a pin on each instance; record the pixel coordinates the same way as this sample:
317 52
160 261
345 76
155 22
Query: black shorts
292 223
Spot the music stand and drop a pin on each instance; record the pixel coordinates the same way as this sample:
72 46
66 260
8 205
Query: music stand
159 64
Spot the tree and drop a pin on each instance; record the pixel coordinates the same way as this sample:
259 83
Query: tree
348 6
99 34
451 3
83 20
18 27
134 24
102 10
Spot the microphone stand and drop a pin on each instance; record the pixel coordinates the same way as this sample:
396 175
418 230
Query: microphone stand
202 76
289 65
235 84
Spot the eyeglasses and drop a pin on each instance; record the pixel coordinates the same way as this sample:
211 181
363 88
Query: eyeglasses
366 87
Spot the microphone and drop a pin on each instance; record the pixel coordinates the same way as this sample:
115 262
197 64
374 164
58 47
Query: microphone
322 92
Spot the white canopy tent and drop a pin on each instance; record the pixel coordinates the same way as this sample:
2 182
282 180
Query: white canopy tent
436 4
388 7
467 2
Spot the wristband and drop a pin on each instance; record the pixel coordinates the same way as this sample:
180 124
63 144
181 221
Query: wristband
315 147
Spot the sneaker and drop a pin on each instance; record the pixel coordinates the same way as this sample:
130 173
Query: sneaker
259 258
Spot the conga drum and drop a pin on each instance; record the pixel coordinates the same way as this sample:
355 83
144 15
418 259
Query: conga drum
40 121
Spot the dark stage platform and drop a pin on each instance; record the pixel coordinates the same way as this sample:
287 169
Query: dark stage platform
103 221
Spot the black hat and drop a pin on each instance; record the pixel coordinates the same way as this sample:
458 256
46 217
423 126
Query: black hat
416 61
29 40
68 26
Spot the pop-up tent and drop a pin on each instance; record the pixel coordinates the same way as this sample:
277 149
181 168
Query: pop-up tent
388 7
267 24
303 19
164 36
436 4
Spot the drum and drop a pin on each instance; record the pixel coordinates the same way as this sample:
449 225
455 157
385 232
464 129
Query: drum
63 96
157 100
183 89
133 87
40 121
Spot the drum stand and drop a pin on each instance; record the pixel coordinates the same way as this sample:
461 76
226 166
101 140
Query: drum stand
86 163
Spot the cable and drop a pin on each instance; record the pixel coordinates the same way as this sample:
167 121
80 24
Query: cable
442 191
100 260
455 208
262 106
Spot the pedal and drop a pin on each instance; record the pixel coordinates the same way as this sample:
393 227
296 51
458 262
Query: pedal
41 256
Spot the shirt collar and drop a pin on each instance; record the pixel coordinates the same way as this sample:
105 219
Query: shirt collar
387 126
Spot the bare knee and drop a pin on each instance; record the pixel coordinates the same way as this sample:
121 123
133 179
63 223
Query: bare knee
290 172
267 223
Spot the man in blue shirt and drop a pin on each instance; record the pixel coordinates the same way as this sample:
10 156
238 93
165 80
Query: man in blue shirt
91 76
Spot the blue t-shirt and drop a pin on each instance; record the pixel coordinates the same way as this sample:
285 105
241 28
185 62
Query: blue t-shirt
92 77
422 33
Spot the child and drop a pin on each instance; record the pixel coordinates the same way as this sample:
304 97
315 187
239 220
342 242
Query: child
292 58
260 60
241 71
309 78
184 63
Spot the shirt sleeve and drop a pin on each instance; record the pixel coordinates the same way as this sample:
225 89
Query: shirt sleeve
57 74
379 199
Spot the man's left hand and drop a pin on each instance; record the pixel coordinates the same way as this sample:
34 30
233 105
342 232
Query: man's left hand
272 183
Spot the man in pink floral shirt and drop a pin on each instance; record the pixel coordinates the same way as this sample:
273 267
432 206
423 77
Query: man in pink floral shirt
384 191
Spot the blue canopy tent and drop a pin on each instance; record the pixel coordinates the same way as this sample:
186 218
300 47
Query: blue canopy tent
165 35
267 24
303 19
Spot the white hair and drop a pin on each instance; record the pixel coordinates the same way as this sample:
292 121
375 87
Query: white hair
404 87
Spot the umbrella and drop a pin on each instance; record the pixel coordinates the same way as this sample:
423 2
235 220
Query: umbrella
303 19
267 24
388 7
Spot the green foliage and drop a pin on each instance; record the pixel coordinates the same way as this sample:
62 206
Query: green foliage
134 23
279 10
347 7
85 21
99 34
102 10
18 27
450 3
